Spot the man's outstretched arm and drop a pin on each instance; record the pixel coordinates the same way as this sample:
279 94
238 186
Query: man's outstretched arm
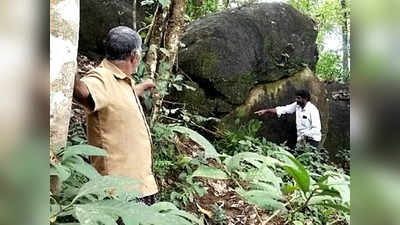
265 111
278 110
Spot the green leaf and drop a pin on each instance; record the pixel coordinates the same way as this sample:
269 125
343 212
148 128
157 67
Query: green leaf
266 175
299 174
322 179
335 206
257 160
104 183
288 189
335 184
163 207
86 150
210 172
164 3
77 164
262 199
275 191
133 213
63 172
91 215
209 149
332 193
107 210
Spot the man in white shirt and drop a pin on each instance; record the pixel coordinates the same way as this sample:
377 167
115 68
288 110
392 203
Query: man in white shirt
308 121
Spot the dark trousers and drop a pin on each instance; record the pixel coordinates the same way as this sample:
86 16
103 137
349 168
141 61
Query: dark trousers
312 142
148 200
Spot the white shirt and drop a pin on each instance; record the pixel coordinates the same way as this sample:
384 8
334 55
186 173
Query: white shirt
308 122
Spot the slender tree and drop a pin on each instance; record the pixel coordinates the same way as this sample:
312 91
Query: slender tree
345 37
134 14
163 41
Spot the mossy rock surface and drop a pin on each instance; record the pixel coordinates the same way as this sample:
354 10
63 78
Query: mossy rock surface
279 93
230 52
338 137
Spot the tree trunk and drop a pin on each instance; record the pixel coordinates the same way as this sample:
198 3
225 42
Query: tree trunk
345 38
167 27
134 14
64 33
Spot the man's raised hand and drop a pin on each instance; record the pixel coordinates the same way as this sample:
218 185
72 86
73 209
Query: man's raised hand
148 84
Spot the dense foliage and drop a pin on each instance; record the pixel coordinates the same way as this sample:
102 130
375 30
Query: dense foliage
330 16
302 187
89 198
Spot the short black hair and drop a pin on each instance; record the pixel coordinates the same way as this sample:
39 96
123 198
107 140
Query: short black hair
120 42
304 94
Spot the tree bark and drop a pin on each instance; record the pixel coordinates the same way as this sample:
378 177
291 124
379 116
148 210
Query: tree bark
175 30
345 38
156 37
64 33
167 27
134 14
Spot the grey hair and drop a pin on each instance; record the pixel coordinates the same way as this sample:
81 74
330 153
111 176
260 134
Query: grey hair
122 42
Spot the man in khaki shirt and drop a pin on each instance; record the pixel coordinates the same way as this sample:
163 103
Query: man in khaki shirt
116 121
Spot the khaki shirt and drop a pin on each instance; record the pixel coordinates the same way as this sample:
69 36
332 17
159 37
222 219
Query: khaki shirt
118 125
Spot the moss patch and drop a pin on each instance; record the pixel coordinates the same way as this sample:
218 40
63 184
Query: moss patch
237 90
207 64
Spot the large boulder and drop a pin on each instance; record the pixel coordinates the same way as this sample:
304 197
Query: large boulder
226 54
338 137
280 93
99 16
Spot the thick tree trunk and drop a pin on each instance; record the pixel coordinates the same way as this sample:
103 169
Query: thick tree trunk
64 33
167 27
345 38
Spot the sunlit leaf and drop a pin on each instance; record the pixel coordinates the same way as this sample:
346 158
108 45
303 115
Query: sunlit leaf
86 150
210 172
